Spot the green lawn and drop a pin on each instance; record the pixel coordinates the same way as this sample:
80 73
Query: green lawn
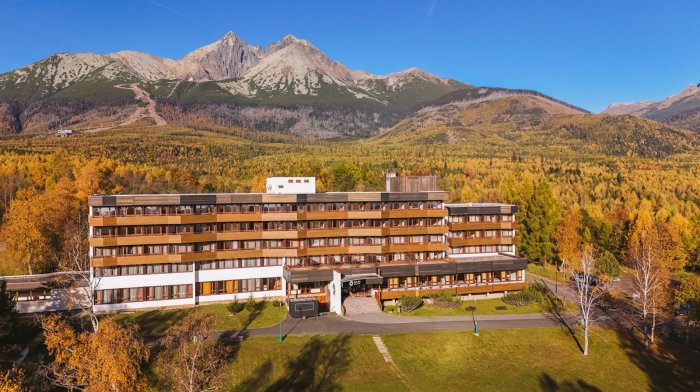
156 322
483 306
310 363
539 359
549 272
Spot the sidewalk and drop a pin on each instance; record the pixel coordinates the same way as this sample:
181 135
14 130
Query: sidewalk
383 318
333 324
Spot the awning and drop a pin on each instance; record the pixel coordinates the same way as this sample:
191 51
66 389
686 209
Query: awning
367 278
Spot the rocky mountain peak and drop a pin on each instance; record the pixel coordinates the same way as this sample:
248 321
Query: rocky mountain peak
226 58
230 36
287 40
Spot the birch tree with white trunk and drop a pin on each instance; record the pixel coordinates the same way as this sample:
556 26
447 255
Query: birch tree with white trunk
81 288
587 292
647 255
647 286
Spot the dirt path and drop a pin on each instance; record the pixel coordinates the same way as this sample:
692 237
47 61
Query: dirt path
149 111
387 358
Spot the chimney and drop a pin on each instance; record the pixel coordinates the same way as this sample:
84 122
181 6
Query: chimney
389 176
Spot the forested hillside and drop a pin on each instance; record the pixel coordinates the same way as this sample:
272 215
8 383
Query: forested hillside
47 179
529 122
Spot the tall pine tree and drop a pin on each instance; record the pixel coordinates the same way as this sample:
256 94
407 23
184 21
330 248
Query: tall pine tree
539 223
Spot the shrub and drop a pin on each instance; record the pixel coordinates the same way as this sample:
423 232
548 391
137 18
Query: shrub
410 302
235 306
445 299
533 293
277 303
607 265
251 305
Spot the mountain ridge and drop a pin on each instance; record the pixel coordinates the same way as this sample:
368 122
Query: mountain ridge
681 110
288 86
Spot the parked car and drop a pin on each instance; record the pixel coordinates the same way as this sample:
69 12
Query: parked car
592 279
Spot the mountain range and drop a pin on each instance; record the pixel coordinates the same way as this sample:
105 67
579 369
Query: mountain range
289 87
681 110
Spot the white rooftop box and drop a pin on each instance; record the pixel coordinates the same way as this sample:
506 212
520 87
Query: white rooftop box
291 185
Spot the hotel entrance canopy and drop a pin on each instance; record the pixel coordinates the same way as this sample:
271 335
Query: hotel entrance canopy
367 278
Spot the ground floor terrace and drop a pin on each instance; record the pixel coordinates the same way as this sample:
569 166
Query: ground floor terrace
387 282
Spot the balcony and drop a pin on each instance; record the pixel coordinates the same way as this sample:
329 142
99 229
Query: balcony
433 213
481 226
372 264
480 241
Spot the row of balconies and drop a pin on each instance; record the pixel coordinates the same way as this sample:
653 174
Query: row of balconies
454 242
251 253
263 235
262 217
481 226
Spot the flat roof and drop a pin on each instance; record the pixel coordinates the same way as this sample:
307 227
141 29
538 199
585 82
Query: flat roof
225 198
481 208
478 205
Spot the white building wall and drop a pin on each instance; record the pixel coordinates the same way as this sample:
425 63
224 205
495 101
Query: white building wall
123 282
239 273
241 296
177 278
145 304
336 304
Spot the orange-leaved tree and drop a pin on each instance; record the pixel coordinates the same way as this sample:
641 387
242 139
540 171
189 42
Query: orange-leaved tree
568 237
648 255
107 360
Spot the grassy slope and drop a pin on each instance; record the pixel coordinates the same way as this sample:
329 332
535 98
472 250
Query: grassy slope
549 271
504 360
156 322
300 363
534 359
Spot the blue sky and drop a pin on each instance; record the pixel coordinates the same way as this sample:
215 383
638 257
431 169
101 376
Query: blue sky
589 53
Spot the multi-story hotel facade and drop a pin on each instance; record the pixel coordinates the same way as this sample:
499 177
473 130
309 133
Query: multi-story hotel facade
291 242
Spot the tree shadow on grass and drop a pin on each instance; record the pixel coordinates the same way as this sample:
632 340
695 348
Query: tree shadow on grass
669 365
548 384
255 381
318 367
555 309
155 322
255 309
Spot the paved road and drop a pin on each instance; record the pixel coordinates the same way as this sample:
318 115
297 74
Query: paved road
332 324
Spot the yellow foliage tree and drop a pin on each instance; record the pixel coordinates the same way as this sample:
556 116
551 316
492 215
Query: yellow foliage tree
12 381
104 361
568 237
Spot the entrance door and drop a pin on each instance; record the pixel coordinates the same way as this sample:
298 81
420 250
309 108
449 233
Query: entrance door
357 288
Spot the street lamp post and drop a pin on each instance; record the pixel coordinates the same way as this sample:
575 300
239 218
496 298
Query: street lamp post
280 334
476 324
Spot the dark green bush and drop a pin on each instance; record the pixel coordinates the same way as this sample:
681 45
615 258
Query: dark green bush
235 306
251 305
410 302
446 299
533 293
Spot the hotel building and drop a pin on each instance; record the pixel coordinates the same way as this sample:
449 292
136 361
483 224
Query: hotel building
291 242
